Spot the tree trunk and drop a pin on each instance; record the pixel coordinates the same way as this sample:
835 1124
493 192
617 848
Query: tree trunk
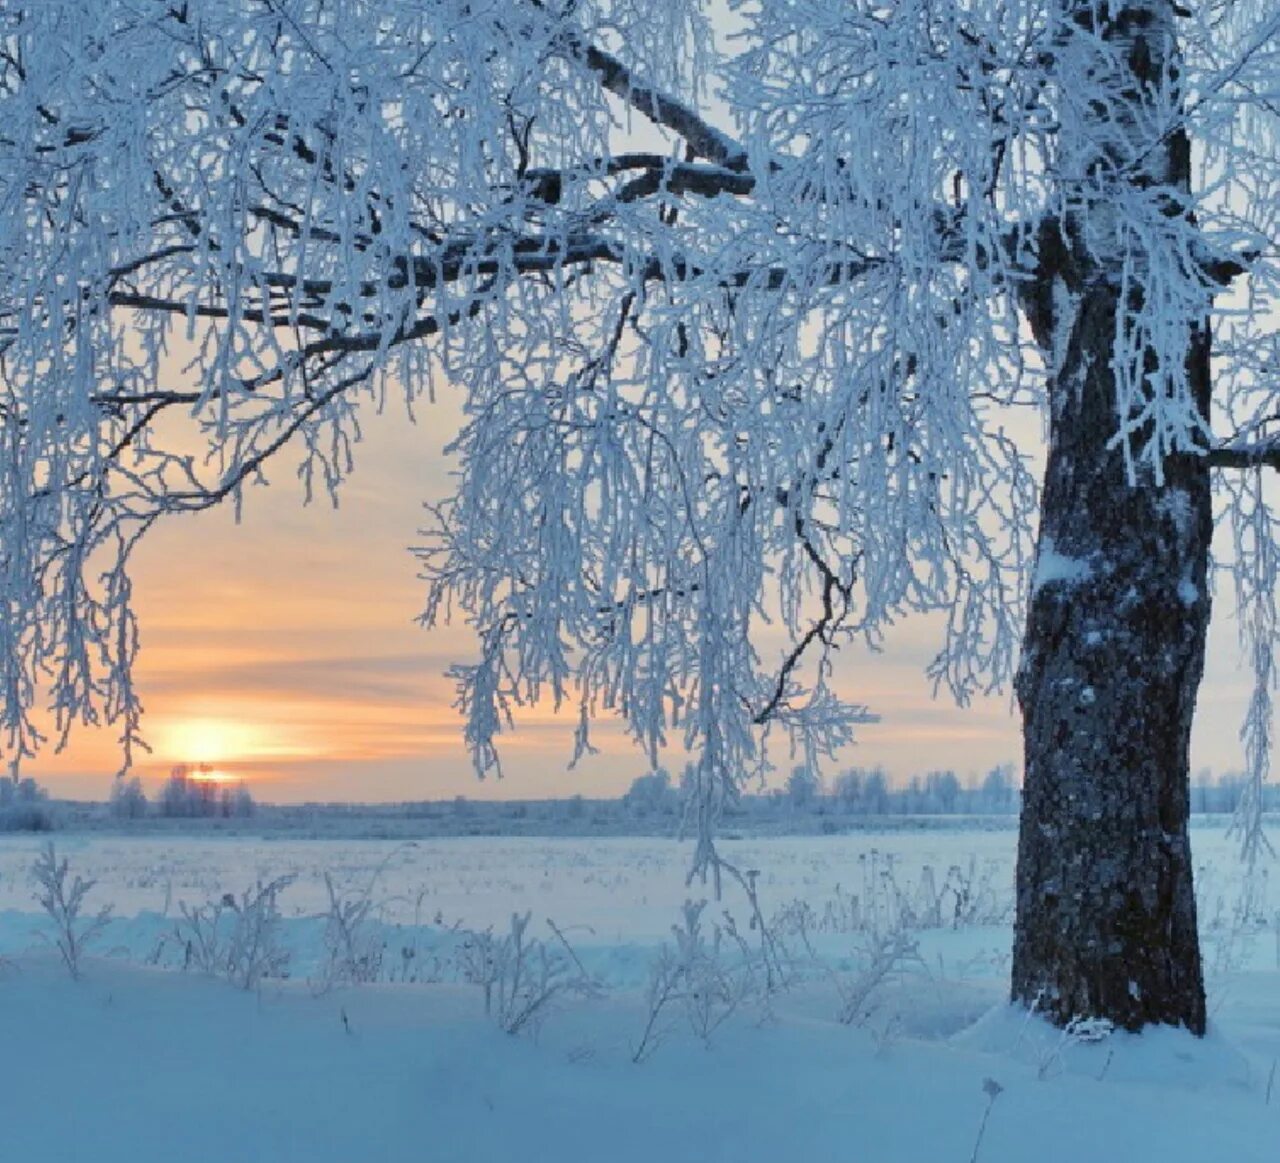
1114 647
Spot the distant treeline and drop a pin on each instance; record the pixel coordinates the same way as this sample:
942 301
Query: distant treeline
855 792
1222 794
872 792
24 806
653 804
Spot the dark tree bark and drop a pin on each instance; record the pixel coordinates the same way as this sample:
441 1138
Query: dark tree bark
1114 647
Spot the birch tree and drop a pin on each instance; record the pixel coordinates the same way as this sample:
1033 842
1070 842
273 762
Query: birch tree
740 327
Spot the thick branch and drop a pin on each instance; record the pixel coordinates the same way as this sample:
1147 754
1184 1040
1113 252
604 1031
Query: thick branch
1246 454
703 138
687 178
529 255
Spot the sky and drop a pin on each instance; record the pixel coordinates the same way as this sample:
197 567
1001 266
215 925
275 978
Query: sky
284 650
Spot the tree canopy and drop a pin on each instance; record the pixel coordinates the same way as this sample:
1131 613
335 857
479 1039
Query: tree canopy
740 322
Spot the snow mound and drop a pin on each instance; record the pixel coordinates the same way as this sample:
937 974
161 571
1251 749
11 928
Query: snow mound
1161 1056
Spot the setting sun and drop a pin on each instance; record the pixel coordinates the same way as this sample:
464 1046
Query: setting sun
211 775
209 742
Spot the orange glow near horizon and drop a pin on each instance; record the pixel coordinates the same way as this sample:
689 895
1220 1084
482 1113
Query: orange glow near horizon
207 742
211 775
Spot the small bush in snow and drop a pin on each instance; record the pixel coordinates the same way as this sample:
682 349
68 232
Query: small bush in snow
200 931
694 975
237 939
967 896
64 903
255 950
521 976
882 958
885 947
1051 1045
354 952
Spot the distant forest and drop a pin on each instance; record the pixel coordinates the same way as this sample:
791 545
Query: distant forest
654 803
873 792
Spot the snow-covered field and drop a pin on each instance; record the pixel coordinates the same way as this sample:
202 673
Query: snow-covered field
743 1051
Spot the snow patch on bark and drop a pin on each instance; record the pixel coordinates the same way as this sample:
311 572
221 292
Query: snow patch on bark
1066 307
1054 567
1176 504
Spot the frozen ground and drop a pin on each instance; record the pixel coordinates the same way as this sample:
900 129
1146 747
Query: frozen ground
142 1063
624 888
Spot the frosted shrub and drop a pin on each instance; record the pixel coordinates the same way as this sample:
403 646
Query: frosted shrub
198 930
695 975
354 953
1077 1032
967 896
665 981
255 950
885 944
881 955
521 976
712 991
796 919
882 958
237 939
771 957
974 900
64 903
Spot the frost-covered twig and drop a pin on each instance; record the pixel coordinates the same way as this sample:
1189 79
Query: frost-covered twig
522 977
254 950
884 956
354 954
64 903
695 973
1077 1032
992 1089
666 977
247 947
1256 531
